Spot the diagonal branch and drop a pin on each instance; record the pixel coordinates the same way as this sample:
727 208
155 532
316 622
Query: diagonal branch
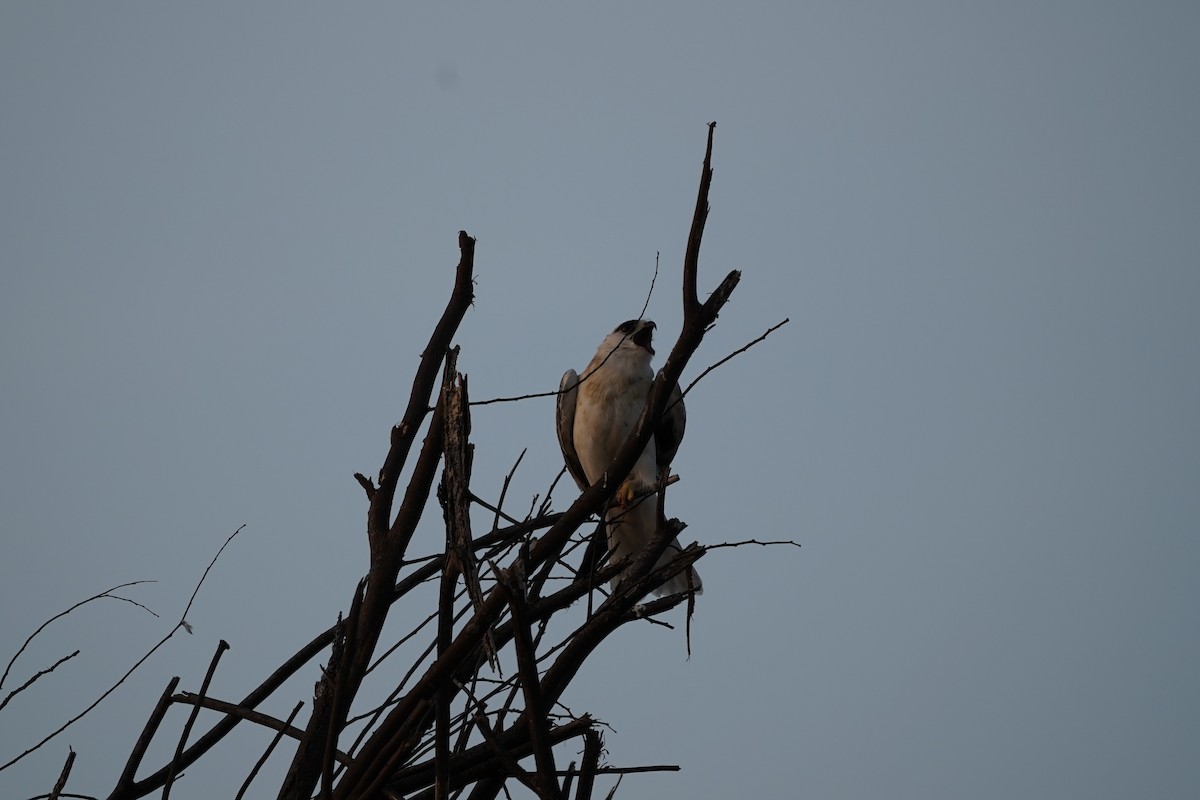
33 678
403 434
125 781
539 734
389 540
173 767
258 765
61 783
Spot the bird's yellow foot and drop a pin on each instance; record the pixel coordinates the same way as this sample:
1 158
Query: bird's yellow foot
631 491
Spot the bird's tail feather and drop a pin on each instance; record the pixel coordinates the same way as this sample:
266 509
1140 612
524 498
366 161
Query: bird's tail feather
630 531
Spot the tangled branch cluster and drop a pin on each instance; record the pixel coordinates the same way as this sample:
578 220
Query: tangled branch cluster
485 695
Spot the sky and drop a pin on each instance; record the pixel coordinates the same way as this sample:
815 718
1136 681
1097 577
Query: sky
227 229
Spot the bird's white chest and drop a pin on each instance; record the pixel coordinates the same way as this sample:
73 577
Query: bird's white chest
610 402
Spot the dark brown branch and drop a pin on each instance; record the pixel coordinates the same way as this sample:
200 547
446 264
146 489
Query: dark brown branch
691 258
339 708
286 670
504 491
500 515
539 734
481 759
238 712
220 730
61 783
403 434
366 484
593 742
505 759
389 540
541 610
455 492
258 765
455 498
125 781
442 709
173 767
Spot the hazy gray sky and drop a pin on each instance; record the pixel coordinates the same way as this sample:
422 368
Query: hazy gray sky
228 228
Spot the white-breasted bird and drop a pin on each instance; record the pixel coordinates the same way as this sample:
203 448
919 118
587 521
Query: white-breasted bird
595 415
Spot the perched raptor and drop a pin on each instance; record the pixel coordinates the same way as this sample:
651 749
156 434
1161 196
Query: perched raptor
596 414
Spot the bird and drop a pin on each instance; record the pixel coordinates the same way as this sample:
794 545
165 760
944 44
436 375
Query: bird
595 415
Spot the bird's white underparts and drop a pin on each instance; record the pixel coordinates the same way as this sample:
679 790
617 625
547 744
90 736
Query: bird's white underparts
595 415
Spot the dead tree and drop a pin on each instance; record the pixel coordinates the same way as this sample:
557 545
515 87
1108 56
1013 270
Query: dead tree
480 706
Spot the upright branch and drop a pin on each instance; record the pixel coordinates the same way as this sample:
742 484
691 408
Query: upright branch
691 256
388 539
697 317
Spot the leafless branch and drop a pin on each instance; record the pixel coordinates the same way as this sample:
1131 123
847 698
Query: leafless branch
504 490
287 725
235 711
732 355
366 484
592 745
744 542
61 783
173 767
33 678
125 780
107 593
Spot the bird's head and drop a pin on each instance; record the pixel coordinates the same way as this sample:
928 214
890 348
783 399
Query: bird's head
638 331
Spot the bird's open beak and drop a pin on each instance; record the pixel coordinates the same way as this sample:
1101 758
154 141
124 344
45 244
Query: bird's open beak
643 335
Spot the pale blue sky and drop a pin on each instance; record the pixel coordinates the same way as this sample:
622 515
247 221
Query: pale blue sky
227 230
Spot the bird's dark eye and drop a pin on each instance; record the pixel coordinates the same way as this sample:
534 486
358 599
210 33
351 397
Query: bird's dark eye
626 327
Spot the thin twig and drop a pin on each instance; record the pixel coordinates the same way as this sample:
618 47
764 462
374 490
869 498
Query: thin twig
106 593
479 501
34 677
751 541
504 491
737 352
650 292
181 624
549 492
196 591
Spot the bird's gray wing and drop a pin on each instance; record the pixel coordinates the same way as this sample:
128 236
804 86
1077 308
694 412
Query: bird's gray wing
568 393
669 432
